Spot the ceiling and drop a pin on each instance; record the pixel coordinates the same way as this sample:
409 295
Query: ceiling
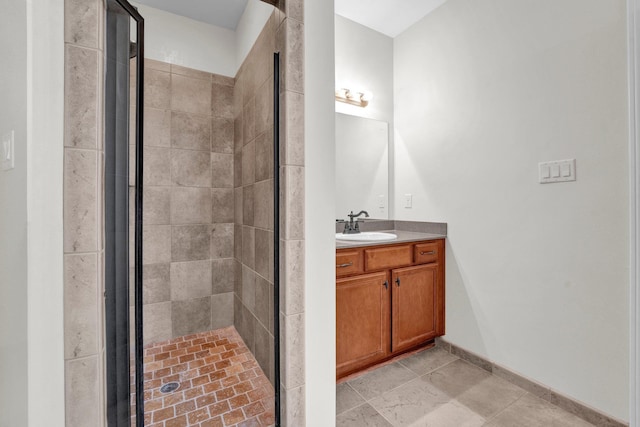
386 17
222 13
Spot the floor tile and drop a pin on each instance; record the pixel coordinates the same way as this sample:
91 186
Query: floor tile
218 378
346 398
428 360
383 379
414 403
362 416
530 411
475 388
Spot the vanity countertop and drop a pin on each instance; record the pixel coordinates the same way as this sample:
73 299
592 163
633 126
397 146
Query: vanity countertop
403 237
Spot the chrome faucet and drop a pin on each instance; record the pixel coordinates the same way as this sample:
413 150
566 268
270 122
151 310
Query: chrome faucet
352 227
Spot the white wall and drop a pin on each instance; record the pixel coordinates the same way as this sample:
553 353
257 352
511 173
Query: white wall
319 133
537 275
13 218
31 318
182 41
45 106
251 23
364 61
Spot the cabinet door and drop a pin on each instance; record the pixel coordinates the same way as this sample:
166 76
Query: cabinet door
415 295
362 321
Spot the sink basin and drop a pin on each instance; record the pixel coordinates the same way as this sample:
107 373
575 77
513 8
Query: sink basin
366 236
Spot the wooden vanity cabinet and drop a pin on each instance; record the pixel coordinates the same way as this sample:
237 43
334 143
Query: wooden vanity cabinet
389 299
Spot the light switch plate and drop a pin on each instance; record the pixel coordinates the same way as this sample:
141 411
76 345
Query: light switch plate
7 146
557 171
408 201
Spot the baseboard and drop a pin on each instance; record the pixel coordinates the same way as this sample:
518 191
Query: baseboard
567 403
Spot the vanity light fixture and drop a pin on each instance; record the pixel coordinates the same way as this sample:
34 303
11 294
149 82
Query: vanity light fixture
360 99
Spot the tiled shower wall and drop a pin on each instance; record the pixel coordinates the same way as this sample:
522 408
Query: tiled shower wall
253 181
83 211
83 214
188 201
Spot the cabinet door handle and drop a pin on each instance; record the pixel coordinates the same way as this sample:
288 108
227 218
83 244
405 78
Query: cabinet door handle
386 284
398 281
349 264
427 253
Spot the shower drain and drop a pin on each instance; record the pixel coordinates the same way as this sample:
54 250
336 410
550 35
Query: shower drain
169 387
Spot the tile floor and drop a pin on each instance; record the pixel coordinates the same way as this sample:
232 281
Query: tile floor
220 381
435 388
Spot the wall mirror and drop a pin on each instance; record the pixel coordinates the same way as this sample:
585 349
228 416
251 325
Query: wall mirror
362 166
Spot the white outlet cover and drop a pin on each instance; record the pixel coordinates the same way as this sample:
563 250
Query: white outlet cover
8 151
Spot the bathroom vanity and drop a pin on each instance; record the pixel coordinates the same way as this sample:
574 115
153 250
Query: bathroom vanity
389 298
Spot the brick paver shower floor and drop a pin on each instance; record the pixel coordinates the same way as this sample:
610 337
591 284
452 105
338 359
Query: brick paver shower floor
221 384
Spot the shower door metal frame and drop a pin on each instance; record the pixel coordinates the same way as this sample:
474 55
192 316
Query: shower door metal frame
276 233
120 369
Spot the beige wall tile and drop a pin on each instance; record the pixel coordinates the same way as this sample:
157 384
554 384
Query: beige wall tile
222 276
156 204
264 253
263 204
222 205
222 80
157 322
82 97
80 201
238 137
292 199
222 240
191 168
81 311
190 242
157 127
157 166
156 283
292 347
190 131
191 316
248 246
292 407
247 205
264 349
249 120
264 106
191 279
222 101
238 196
221 170
222 135
292 284
82 22
237 169
264 301
152 64
294 56
221 310
292 128
157 244
249 163
264 156
82 394
190 205
237 238
190 95
157 89
190 72
294 9
248 288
